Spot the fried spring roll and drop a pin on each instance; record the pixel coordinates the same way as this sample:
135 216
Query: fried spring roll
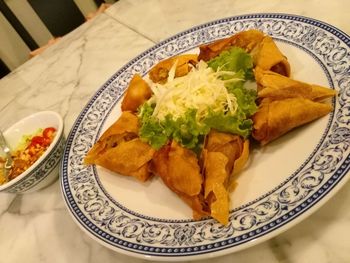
160 72
267 56
276 87
125 128
223 156
263 49
216 186
120 150
247 40
179 170
275 118
136 94
130 158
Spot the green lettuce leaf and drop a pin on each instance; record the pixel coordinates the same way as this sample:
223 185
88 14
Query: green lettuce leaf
190 132
185 130
235 59
151 130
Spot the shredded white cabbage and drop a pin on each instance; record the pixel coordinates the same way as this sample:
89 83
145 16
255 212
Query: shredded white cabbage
200 89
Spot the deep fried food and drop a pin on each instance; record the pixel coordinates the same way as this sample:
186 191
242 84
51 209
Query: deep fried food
136 94
267 56
275 118
129 158
120 150
220 154
125 128
263 49
179 169
247 40
276 87
160 72
285 104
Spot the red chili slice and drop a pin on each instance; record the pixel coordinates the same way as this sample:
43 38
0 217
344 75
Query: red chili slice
38 140
48 132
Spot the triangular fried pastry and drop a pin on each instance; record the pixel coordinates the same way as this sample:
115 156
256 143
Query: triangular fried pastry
276 87
125 128
275 118
136 94
182 163
129 158
120 150
160 72
220 156
267 56
320 93
245 39
216 186
239 163
226 143
179 170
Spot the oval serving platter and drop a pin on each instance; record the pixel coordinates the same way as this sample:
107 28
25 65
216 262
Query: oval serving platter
283 183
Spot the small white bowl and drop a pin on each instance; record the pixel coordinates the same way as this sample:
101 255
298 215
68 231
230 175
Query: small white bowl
45 170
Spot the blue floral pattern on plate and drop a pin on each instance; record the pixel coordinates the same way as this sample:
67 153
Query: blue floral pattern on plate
319 176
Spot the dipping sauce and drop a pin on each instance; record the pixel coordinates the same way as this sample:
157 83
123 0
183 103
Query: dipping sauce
30 148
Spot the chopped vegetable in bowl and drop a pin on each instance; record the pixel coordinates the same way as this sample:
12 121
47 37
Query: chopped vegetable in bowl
2 176
29 150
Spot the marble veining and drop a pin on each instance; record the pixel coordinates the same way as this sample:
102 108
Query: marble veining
64 71
163 20
38 228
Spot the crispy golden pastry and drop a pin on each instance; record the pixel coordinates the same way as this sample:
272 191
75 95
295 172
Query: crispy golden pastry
247 40
129 158
216 186
277 117
120 150
263 49
285 104
276 87
240 163
125 128
179 169
223 154
160 72
136 94
226 143
267 56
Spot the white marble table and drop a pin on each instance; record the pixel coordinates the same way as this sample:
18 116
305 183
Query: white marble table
38 228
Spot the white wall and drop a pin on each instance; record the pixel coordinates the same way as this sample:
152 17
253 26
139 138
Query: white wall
13 50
